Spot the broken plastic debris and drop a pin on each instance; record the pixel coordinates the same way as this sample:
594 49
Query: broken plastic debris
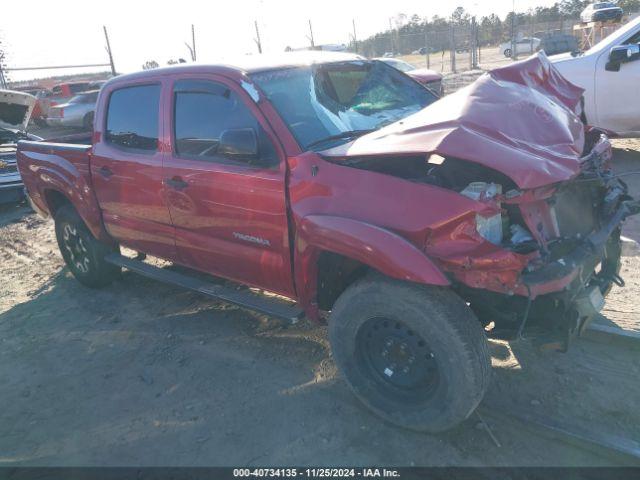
519 234
251 90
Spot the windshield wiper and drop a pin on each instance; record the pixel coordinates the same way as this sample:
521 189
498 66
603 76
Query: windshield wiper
339 136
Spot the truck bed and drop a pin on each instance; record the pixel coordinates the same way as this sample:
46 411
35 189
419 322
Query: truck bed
58 172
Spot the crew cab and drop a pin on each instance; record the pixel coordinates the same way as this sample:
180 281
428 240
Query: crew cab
414 226
609 73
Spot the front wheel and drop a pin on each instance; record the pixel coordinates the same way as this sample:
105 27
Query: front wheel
415 355
82 252
507 53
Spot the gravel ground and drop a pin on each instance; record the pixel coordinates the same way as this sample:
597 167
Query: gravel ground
142 373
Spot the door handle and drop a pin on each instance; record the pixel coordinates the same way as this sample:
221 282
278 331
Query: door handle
176 183
105 171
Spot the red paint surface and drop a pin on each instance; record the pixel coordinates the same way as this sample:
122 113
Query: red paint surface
424 75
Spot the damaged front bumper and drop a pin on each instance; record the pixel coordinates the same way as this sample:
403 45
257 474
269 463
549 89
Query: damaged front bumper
558 287
581 262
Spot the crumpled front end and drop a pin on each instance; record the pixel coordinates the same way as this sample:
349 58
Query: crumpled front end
541 242
558 255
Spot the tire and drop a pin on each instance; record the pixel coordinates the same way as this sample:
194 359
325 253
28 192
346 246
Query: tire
507 53
451 369
87 121
82 252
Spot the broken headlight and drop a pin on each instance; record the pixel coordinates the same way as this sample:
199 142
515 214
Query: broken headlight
490 228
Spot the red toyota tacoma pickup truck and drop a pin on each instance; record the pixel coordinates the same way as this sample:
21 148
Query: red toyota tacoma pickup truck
416 226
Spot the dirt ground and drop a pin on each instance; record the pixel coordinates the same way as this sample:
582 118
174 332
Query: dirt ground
141 373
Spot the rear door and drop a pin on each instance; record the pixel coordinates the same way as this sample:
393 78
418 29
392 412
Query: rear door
126 168
225 185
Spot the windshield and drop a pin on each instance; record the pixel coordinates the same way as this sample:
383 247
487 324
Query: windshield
598 6
324 101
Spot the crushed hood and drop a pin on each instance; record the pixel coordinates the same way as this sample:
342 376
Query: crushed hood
520 120
15 109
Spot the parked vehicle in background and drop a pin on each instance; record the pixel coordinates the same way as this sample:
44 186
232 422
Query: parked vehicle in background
555 43
63 92
40 109
429 78
77 112
601 12
526 45
96 85
15 110
609 72
415 224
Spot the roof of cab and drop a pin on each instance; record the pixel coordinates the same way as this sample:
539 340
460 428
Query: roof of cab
246 64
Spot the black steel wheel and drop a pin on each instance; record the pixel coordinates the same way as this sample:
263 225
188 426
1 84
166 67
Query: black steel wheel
397 358
87 121
82 252
415 355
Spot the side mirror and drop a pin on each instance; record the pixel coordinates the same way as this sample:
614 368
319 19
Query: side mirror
622 54
239 142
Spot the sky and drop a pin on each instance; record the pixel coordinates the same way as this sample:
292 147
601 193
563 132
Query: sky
71 32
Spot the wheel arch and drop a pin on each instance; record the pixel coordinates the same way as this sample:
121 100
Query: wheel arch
56 198
337 249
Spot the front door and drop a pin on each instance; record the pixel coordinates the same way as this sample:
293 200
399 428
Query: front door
126 169
617 95
225 185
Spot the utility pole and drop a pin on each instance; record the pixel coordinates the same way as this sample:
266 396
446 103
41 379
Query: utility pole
355 38
193 42
452 47
474 44
106 36
192 47
257 39
393 49
310 37
426 43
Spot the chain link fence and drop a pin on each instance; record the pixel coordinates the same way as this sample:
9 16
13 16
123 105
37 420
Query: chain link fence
461 51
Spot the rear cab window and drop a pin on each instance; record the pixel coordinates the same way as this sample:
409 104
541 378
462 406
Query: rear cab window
132 118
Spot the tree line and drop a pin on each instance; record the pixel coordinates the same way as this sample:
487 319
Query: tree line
409 33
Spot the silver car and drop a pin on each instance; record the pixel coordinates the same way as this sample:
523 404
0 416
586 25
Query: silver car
77 112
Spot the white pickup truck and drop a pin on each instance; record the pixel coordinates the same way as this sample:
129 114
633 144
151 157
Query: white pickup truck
610 74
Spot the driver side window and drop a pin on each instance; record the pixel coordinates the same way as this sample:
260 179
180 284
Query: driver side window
212 123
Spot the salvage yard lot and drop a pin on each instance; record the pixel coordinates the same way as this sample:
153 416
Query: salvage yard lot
142 373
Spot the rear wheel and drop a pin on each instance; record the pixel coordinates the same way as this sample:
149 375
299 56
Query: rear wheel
87 122
82 252
415 355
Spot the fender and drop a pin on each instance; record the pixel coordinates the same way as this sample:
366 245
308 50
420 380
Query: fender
374 246
44 169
